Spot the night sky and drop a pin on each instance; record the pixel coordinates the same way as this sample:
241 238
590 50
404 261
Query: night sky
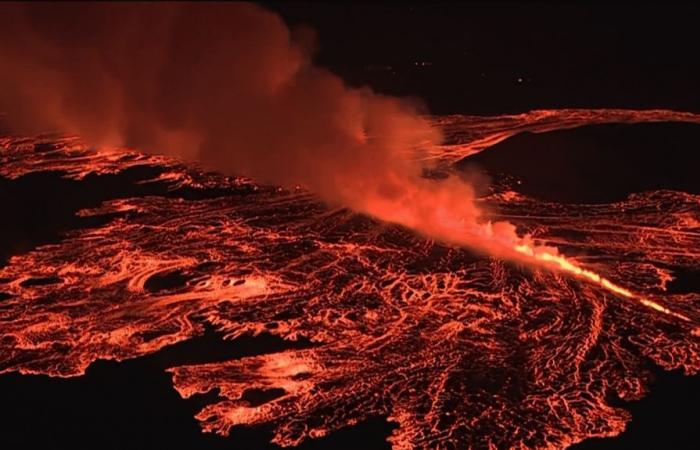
498 57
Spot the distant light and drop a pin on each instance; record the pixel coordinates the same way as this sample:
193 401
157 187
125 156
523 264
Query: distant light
378 68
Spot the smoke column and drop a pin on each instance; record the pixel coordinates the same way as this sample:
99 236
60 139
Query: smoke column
230 86
227 85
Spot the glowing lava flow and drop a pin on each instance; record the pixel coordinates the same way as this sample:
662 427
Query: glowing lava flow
469 135
459 349
560 262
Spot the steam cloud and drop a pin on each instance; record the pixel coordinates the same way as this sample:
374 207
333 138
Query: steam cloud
232 87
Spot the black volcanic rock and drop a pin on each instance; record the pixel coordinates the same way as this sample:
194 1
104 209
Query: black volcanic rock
597 163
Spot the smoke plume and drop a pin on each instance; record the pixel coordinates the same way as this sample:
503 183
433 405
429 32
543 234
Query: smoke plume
229 85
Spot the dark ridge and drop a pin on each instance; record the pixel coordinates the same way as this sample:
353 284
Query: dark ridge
5 296
40 281
167 281
597 163
257 397
132 404
198 193
208 265
684 281
211 347
44 147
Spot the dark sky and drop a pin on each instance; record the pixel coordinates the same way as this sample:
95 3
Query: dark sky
509 57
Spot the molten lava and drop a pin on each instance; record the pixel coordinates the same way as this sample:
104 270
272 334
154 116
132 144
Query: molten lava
462 331
562 263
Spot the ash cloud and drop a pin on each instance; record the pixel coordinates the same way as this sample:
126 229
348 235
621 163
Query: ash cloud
231 86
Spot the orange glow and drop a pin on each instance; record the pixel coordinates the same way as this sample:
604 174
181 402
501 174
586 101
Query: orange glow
560 262
428 334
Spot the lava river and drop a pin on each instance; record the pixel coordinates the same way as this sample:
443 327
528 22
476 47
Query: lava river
459 349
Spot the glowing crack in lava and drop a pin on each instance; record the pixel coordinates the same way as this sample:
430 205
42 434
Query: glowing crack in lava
517 350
